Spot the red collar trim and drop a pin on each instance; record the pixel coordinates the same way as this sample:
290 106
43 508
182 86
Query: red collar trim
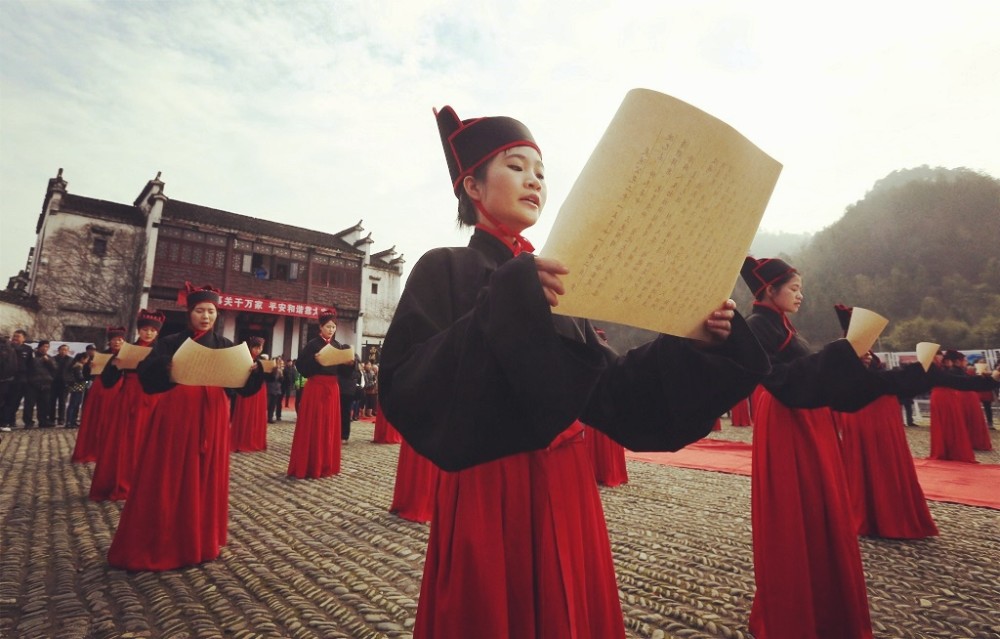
519 245
784 321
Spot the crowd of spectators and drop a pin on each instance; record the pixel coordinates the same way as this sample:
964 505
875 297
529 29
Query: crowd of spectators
45 388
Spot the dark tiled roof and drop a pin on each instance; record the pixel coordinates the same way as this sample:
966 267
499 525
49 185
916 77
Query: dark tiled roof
195 214
102 209
386 260
395 264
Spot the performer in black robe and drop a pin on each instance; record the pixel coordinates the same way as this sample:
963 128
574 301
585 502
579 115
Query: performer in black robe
178 507
316 443
482 379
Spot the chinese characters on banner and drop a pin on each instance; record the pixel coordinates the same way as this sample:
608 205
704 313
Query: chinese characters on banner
257 305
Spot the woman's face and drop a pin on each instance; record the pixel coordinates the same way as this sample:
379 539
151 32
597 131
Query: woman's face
148 333
514 189
116 343
787 298
203 316
328 330
255 351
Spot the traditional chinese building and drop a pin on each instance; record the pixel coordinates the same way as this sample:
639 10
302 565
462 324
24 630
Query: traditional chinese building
95 263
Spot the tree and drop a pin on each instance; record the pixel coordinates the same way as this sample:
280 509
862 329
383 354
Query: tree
80 287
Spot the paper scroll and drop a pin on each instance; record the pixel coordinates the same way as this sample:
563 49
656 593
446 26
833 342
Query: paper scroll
864 329
330 356
130 355
197 365
99 362
926 352
267 365
657 225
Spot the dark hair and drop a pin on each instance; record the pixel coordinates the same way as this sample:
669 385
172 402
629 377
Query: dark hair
42 342
79 357
468 215
22 332
778 283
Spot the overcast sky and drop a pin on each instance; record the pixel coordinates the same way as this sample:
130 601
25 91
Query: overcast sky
318 114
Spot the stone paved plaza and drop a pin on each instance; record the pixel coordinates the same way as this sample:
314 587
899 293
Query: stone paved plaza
324 558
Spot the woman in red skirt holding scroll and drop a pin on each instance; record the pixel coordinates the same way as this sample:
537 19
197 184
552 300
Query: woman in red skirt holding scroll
97 406
129 417
885 496
249 430
482 379
177 511
316 442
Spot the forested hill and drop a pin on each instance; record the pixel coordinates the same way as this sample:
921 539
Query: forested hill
921 248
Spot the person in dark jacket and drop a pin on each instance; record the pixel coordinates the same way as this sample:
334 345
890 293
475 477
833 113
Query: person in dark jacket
17 387
288 382
75 387
39 393
63 360
275 381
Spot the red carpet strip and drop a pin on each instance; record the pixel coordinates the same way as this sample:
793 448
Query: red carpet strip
954 482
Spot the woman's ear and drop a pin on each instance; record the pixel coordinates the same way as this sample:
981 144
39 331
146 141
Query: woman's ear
472 188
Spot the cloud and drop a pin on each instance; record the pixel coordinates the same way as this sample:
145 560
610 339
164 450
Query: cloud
319 113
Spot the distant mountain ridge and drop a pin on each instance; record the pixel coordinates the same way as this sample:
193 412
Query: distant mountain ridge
922 248
775 243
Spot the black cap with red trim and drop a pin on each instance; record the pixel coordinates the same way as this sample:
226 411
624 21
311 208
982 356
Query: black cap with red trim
759 274
116 331
324 315
470 143
151 319
844 315
206 293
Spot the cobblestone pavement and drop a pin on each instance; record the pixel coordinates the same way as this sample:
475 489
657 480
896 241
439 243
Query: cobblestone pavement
323 558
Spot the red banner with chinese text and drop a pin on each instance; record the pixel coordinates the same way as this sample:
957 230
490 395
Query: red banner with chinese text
258 305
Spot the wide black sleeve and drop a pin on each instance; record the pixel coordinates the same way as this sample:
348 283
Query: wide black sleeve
961 382
308 366
154 370
501 379
669 392
469 386
836 378
253 383
111 374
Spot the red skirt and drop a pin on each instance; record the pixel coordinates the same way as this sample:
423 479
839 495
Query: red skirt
886 497
93 421
249 430
416 485
128 423
741 413
178 507
384 432
949 434
316 442
975 421
755 398
607 456
807 564
519 548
